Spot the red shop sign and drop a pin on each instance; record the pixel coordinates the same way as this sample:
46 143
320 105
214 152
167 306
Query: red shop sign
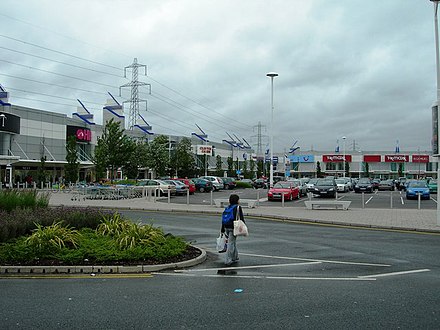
396 158
336 158
420 158
372 158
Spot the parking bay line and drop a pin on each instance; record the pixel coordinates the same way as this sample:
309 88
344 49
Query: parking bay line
396 273
369 199
247 267
317 260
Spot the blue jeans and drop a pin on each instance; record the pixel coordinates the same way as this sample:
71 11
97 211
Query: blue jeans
231 254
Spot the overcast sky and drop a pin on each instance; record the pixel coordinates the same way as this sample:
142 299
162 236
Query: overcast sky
360 69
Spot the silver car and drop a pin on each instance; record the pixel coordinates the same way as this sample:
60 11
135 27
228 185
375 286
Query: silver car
217 182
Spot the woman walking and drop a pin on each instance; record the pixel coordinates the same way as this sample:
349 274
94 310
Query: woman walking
228 217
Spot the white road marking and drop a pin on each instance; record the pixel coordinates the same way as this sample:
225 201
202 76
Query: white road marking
433 199
369 199
317 260
397 273
247 267
401 199
270 277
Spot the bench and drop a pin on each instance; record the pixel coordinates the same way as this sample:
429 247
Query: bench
223 202
311 205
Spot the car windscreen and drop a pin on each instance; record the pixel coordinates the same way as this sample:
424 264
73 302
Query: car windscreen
340 181
282 185
417 185
325 183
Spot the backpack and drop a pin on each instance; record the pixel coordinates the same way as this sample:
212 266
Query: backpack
228 214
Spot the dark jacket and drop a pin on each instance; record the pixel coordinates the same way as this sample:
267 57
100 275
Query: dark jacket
231 224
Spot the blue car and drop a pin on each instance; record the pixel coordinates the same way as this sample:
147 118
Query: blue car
415 188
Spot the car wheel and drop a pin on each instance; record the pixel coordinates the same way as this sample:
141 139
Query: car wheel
201 189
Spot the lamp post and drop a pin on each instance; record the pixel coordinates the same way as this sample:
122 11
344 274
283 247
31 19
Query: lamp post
343 147
360 163
271 75
437 61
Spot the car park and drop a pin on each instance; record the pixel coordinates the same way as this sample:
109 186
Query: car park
324 187
386 185
416 188
363 185
217 182
190 184
432 185
202 185
342 185
301 185
287 189
259 183
400 184
349 182
311 183
229 183
163 186
375 184
181 187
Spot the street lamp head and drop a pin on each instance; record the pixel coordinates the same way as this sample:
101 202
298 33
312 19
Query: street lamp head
343 138
434 0
274 74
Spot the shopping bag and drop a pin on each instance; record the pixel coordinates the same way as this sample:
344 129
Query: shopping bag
222 242
240 228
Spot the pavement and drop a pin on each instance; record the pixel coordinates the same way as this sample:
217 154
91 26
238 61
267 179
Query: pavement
391 219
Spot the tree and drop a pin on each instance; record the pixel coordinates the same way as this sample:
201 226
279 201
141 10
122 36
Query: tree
260 168
244 169
230 167
183 160
41 172
218 165
136 159
401 169
318 170
113 149
158 158
252 167
347 169
367 170
72 167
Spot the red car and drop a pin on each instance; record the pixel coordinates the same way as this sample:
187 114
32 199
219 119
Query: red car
190 184
290 190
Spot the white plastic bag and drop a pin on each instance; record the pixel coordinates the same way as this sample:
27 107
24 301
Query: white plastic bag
222 242
240 228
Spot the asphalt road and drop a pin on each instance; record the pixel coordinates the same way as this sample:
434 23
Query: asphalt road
289 276
377 199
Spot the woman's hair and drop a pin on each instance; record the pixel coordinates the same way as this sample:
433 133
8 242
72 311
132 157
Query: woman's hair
233 199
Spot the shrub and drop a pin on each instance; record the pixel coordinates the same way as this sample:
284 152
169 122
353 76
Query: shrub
55 236
240 184
11 199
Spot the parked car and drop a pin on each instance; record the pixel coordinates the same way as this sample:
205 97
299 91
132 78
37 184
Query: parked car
342 185
415 188
363 185
386 185
432 185
301 185
163 186
349 182
181 187
229 183
202 185
289 189
324 187
217 183
190 184
259 183
311 183
375 184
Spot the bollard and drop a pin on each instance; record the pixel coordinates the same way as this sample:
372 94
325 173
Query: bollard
336 194
258 197
391 199
363 200
211 198
154 196
187 197
419 196
309 194
282 199
169 196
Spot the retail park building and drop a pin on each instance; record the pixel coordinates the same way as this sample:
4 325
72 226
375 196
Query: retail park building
27 135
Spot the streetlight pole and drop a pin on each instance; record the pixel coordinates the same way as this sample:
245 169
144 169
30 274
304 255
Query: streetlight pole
271 75
360 163
343 170
437 61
